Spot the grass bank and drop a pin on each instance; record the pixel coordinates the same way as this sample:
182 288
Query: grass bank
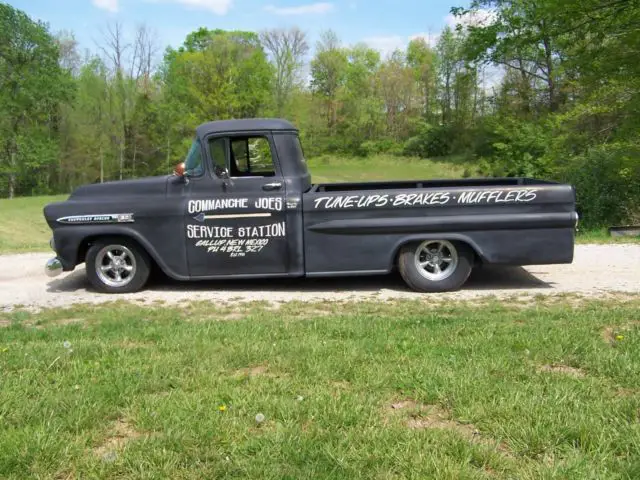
372 390
386 167
22 225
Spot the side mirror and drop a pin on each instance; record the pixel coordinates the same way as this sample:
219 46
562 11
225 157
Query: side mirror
222 173
179 170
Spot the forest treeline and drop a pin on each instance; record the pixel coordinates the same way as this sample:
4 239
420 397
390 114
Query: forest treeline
565 105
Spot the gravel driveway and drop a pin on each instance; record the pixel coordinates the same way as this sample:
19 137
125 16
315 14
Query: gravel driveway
597 270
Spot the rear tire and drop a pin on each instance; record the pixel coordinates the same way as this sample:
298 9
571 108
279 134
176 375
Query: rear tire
435 265
117 265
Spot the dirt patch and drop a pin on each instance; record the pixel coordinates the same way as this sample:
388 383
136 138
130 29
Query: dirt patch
222 316
121 433
308 313
338 387
418 416
129 344
564 369
255 371
230 316
4 323
66 321
615 333
431 416
626 392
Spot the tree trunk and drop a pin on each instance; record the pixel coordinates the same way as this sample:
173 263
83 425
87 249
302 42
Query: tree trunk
12 180
12 165
133 165
101 165
548 58
169 150
121 158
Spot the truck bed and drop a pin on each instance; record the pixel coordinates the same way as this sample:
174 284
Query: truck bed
419 184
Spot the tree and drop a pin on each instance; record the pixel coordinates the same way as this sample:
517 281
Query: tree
424 62
397 90
287 49
214 75
32 85
328 70
120 95
521 37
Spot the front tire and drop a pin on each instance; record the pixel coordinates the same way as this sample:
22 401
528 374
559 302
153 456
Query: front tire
117 265
435 265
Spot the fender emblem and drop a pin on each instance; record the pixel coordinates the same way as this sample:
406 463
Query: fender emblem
98 218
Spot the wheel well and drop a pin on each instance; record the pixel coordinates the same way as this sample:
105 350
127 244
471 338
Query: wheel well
476 256
87 242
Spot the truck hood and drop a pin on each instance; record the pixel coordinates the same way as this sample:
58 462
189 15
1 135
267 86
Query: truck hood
137 187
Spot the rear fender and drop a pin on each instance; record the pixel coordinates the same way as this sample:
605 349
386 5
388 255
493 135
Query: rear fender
459 237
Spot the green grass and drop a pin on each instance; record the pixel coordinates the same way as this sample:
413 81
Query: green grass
483 391
602 236
22 224
386 167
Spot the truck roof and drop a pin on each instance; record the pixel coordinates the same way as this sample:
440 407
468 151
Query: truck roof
244 125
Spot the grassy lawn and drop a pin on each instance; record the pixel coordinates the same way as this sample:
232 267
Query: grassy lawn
386 167
372 390
602 236
22 225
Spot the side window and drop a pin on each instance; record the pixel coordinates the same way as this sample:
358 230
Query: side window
218 154
251 157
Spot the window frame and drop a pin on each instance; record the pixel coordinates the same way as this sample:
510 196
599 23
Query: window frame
228 137
203 156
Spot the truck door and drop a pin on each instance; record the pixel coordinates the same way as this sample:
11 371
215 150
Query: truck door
236 223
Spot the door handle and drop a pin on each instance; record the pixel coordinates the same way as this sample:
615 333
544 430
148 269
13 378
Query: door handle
269 187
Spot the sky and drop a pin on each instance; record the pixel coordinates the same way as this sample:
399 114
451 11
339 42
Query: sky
382 24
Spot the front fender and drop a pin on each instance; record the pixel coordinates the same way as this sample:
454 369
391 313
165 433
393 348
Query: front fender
70 240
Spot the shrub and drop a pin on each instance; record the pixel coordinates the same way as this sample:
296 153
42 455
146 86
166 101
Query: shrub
607 181
376 147
431 141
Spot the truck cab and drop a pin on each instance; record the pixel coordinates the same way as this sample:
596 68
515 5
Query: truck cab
241 187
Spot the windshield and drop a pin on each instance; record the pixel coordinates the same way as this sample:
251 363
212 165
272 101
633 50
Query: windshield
193 162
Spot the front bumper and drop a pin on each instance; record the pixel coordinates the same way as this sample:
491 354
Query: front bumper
53 267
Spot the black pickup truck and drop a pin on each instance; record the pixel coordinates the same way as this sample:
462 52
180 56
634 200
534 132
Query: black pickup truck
242 205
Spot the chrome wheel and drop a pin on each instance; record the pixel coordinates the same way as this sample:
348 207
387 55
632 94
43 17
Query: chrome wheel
436 259
115 265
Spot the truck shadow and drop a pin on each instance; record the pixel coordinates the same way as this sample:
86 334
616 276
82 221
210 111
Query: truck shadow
485 278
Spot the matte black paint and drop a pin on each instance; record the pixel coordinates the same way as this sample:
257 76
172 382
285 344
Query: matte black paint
319 241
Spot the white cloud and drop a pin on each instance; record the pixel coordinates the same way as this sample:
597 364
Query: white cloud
430 38
108 5
476 18
219 7
310 9
386 45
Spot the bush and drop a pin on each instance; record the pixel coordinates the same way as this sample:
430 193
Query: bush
376 147
431 141
517 149
607 181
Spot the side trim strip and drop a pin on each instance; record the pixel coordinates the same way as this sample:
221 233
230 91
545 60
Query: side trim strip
448 223
97 218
